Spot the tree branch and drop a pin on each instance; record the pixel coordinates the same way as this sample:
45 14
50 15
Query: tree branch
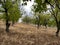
57 4
46 1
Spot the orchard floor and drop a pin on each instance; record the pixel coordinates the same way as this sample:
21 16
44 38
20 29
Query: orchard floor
27 34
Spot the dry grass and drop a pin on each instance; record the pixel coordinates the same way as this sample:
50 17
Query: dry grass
26 34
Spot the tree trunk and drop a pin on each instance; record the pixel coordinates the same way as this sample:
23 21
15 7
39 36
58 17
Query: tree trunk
7 17
57 23
45 25
38 18
38 25
55 16
7 23
7 26
57 32
13 23
7 20
58 28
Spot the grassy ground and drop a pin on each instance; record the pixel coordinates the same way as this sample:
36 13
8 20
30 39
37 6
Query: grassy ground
27 34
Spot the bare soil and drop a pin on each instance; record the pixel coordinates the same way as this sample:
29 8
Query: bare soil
27 34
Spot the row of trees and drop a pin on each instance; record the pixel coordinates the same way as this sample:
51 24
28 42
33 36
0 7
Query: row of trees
11 12
41 19
54 10
40 6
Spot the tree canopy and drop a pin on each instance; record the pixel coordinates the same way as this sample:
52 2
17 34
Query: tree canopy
11 11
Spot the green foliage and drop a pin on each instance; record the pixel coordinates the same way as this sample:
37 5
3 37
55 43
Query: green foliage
13 10
41 6
44 19
1 16
51 22
58 17
26 19
14 13
26 0
33 21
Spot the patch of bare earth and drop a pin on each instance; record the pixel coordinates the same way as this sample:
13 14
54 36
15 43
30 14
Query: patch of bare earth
26 34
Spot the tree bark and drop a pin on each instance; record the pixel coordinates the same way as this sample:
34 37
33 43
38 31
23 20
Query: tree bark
38 25
7 20
57 32
58 27
57 23
38 21
13 23
7 26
